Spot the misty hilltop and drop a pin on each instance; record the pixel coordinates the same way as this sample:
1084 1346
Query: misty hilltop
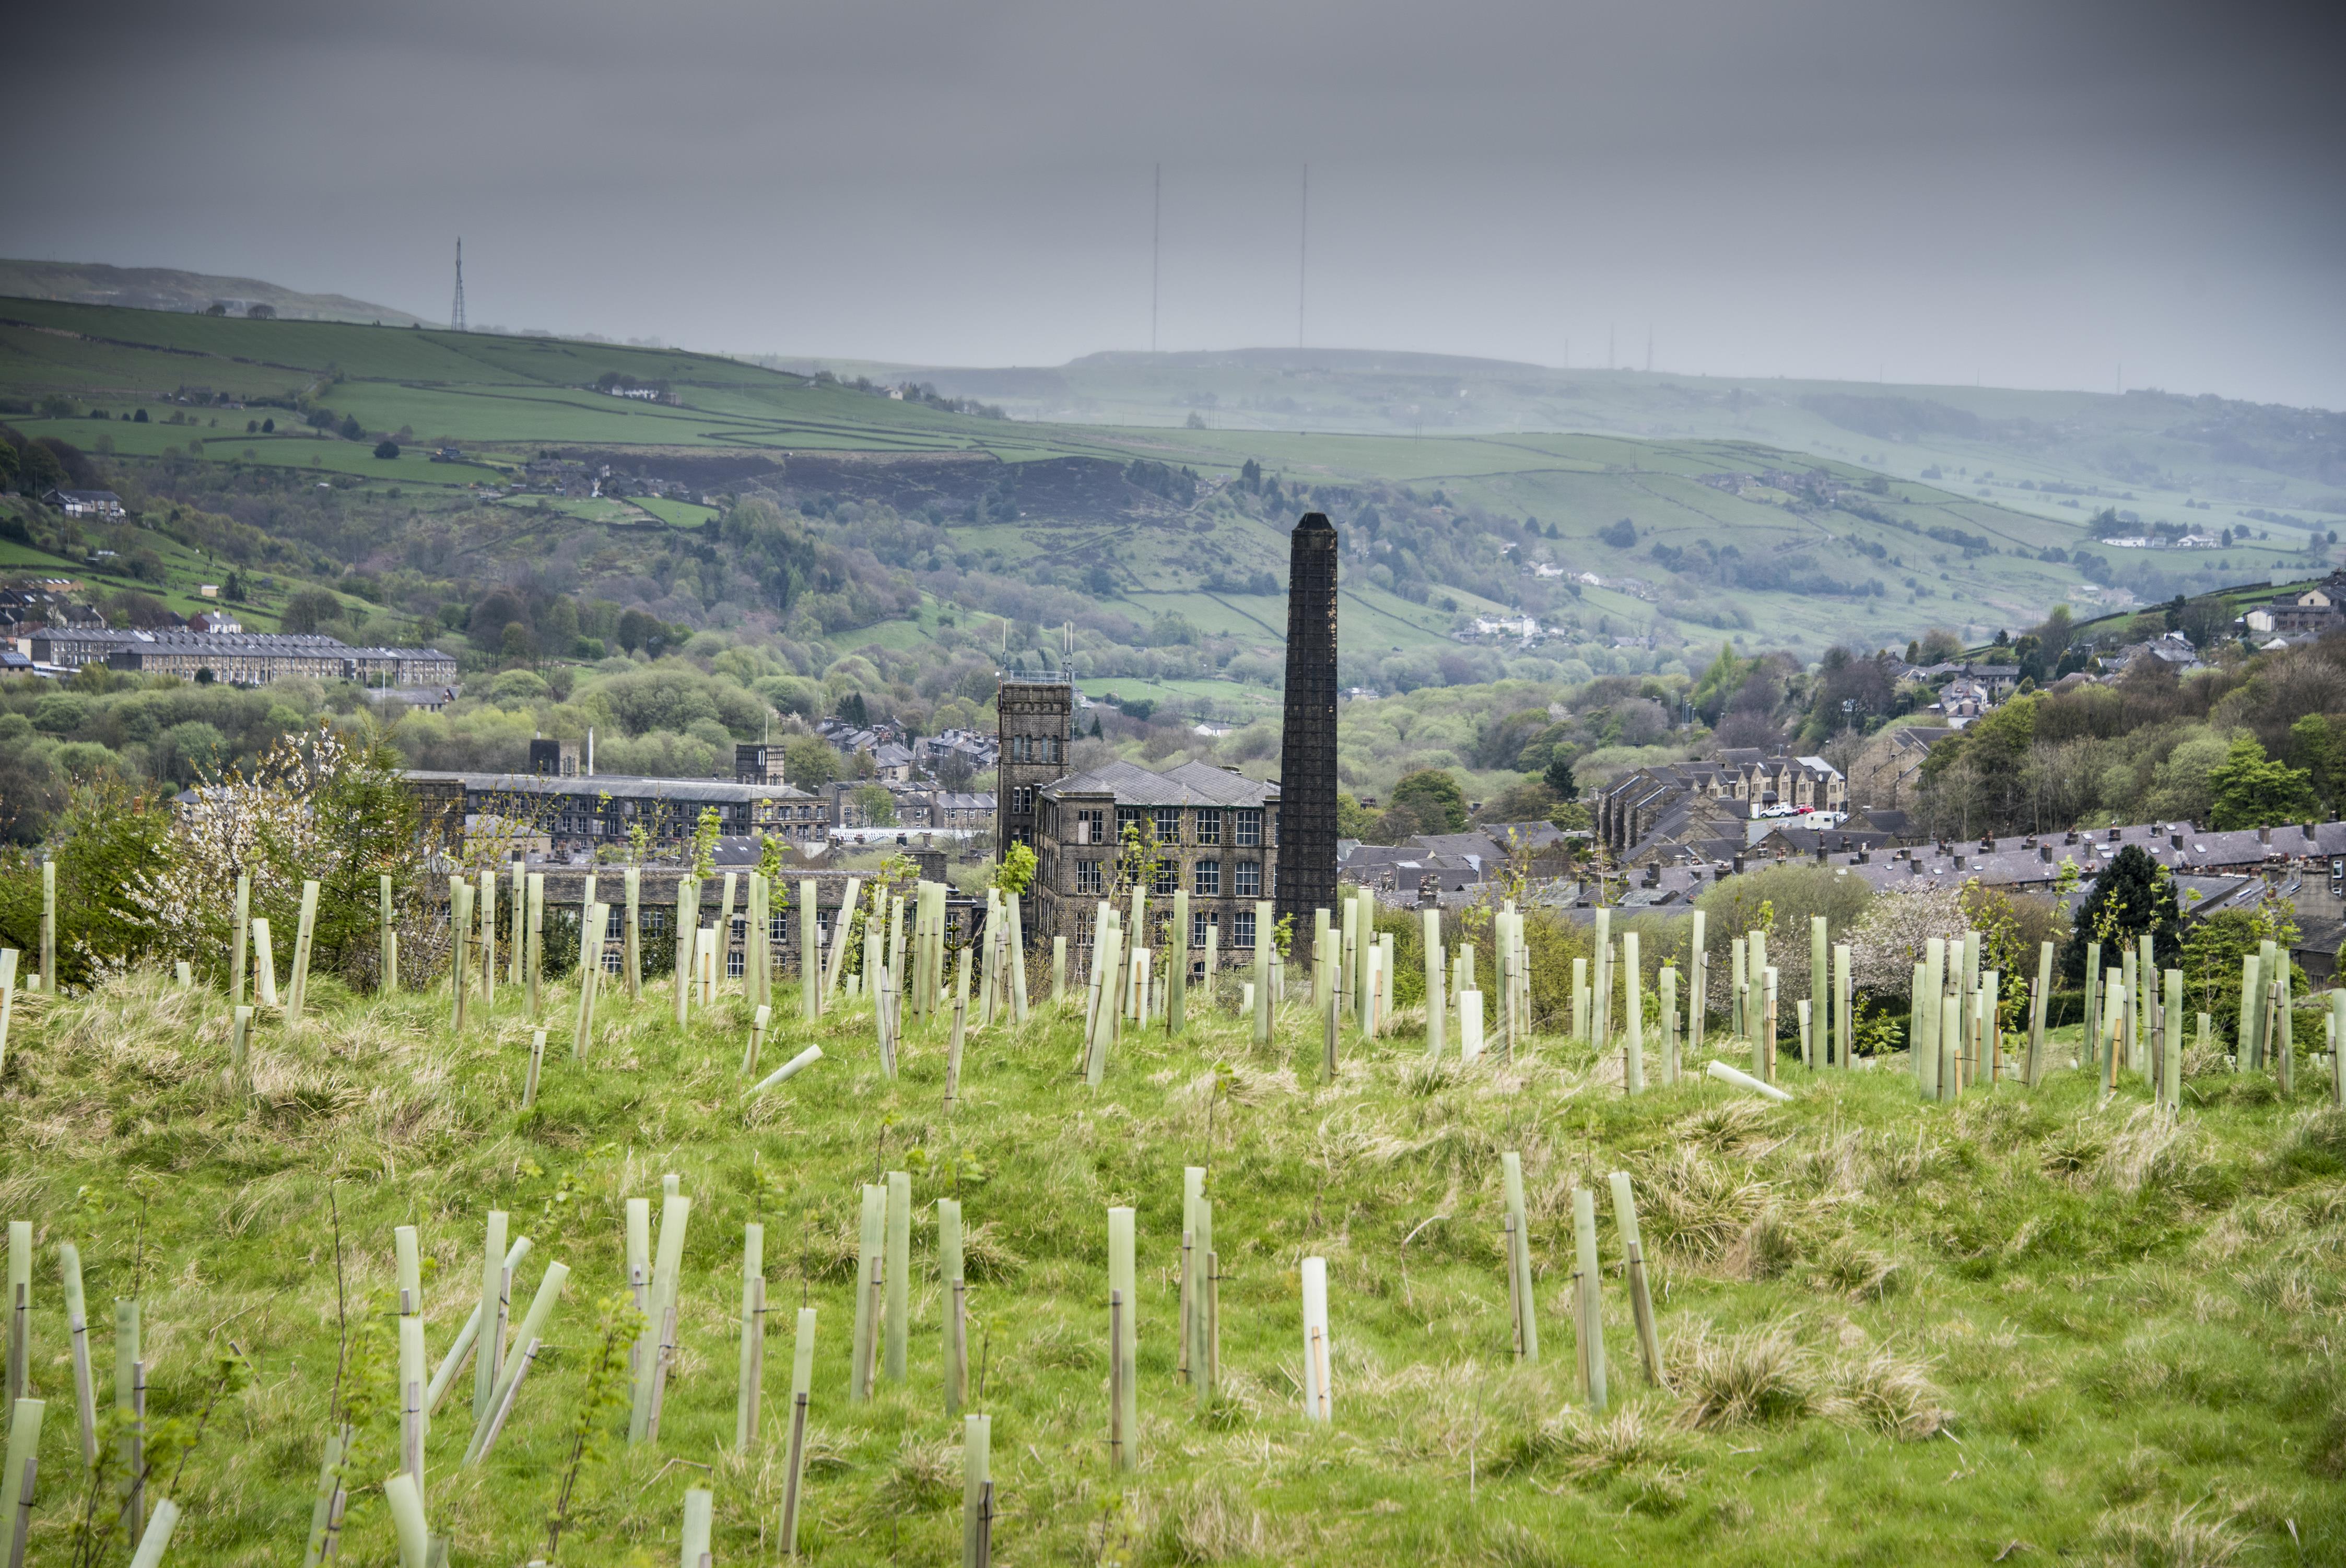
169 289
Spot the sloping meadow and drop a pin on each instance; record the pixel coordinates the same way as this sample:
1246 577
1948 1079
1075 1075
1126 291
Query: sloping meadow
2018 1326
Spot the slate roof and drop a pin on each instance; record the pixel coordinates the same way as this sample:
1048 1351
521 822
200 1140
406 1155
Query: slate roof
1188 784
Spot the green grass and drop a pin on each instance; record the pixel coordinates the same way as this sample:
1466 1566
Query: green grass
681 514
1897 1333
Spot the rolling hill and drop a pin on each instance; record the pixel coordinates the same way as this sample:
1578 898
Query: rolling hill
1647 543
168 288
2198 462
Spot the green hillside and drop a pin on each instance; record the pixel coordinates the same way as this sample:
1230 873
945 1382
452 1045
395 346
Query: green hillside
1686 536
2146 452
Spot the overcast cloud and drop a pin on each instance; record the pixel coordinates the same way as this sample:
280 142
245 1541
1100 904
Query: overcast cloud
2031 194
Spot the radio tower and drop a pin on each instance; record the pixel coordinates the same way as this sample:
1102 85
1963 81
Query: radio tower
456 314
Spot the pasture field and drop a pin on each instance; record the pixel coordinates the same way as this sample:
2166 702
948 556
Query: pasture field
2024 1326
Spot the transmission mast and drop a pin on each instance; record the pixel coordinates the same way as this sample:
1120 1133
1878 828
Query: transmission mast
456 312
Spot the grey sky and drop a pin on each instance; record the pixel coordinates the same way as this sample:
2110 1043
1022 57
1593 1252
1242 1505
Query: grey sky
2032 194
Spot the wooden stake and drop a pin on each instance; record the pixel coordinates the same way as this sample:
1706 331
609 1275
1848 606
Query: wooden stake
1519 1260
127 1407
16 1480
537 1064
1641 1299
899 1262
675 1212
241 937
1591 1297
1634 1006
488 1361
867 1295
1209 1332
1124 1338
264 962
801 1391
976 1491
78 1332
488 912
512 1386
753 1336
49 927
460 950
1318 1400
956 1328
749 1051
20 1308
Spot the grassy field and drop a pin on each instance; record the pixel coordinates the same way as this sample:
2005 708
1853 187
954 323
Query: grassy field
2020 1328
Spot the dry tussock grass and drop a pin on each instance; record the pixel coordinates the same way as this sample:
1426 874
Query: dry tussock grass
1767 1375
923 1477
1729 1127
1694 1205
2140 1538
1205 1520
1758 1376
1626 1438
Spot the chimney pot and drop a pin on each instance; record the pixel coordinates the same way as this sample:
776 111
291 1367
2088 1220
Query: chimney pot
2264 835
2044 853
2308 831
